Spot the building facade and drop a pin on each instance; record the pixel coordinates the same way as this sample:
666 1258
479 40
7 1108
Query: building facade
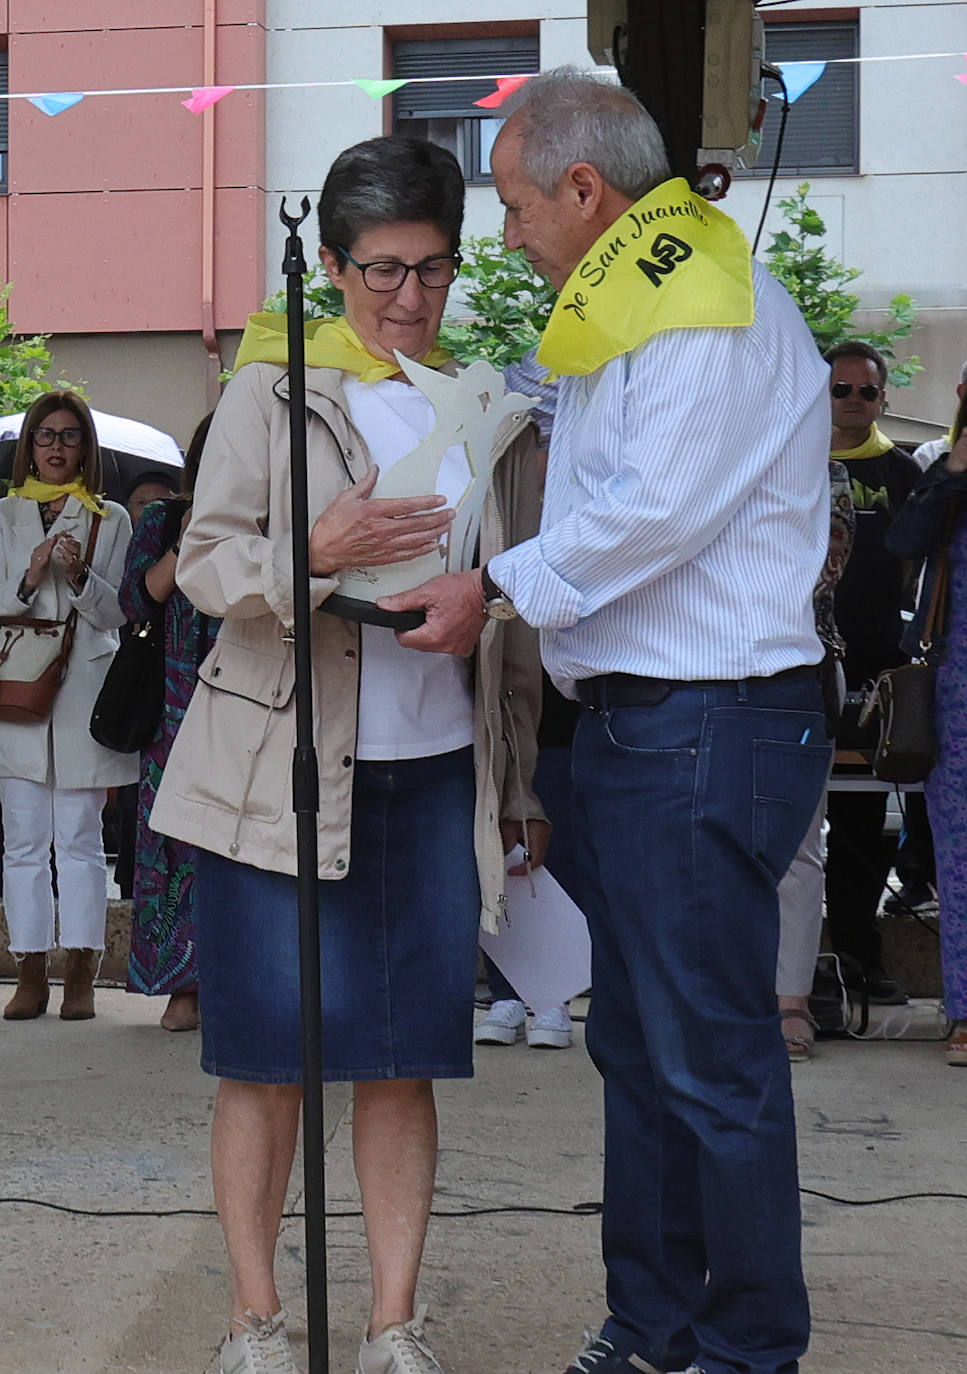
140 236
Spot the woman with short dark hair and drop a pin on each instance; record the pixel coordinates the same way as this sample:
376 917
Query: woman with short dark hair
420 792
53 776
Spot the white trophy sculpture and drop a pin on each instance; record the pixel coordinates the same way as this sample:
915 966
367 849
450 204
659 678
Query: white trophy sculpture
470 407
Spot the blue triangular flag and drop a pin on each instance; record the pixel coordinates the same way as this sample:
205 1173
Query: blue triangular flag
799 76
56 102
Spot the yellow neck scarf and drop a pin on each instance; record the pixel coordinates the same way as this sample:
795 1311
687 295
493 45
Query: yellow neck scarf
671 261
32 489
329 343
872 446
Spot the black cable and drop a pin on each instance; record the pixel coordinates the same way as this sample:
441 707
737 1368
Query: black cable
773 74
580 1209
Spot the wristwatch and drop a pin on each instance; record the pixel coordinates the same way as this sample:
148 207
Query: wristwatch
497 604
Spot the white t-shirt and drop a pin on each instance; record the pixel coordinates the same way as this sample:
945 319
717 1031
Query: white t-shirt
411 704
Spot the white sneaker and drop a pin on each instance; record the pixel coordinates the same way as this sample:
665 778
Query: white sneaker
260 1347
551 1030
503 1024
399 1350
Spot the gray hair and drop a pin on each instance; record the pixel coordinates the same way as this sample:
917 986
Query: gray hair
568 115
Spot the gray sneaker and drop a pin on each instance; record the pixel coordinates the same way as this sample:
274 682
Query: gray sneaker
261 1346
400 1349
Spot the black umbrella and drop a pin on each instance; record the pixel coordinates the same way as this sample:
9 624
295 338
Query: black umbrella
120 468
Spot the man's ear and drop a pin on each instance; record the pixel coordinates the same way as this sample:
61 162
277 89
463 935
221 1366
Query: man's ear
586 186
333 266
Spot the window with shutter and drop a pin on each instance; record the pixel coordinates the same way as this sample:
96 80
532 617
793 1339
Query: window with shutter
442 109
822 131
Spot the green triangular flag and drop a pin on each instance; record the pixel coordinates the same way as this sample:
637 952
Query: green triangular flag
377 89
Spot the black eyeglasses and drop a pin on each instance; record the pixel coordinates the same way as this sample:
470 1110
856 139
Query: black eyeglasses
70 437
390 275
869 392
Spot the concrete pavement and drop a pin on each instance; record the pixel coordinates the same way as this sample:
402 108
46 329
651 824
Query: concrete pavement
113 1114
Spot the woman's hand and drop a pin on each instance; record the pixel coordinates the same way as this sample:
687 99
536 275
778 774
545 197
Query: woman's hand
66 553
957 457
39 563
538 838
357 531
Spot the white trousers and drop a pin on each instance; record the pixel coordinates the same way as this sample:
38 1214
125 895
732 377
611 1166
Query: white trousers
801 895
34 815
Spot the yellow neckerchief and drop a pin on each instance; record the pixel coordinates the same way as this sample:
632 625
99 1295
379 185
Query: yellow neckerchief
671 261
872 446
329 343
32 489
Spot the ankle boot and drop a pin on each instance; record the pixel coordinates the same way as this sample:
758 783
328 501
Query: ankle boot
33 990
78 1004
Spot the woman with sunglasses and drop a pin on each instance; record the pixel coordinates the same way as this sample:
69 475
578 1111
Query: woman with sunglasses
53 776
425 761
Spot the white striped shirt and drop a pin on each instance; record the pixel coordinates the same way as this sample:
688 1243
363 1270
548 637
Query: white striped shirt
686 513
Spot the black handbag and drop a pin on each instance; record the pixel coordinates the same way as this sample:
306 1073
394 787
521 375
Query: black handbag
128 708
903 698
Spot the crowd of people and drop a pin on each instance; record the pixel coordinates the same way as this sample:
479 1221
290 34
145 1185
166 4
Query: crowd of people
702 599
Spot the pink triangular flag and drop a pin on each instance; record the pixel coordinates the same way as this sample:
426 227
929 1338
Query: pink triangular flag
961 76
204 96
506 85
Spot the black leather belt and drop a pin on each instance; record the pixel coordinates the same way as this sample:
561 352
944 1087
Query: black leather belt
625 689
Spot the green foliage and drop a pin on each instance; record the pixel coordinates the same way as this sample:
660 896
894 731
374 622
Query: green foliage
24 365
506 308
819 283
508 303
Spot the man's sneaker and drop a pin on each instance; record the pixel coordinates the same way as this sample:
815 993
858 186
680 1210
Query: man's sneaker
260 1346
551 1030
598 1356
503 1024
400 1349
914 896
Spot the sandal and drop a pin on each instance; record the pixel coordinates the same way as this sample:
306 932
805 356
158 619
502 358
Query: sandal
957 1044
800 1047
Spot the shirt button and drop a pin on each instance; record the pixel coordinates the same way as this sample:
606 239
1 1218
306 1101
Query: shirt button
347 761
233 848
350 653
340 864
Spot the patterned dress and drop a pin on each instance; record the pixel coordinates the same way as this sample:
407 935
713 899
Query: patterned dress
946 786
162 934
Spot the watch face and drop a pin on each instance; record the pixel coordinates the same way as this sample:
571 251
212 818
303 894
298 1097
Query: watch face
500 608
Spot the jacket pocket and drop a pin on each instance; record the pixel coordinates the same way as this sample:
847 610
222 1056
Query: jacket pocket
244 732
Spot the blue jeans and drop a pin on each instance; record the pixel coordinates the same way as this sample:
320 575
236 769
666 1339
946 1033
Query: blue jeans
687 815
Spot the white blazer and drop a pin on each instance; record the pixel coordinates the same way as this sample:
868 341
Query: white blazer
60 751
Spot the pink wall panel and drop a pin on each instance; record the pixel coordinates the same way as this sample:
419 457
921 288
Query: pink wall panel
44 16
94 263
4 16
132 142
3 239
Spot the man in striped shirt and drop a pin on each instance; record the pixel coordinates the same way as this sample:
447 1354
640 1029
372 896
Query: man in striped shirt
685 521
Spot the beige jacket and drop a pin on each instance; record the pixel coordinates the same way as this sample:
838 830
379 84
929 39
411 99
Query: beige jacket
227 785
61 748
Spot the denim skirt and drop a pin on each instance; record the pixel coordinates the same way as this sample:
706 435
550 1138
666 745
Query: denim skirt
398 940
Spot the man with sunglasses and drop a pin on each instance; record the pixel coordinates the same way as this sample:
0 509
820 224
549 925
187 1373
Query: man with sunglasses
868 603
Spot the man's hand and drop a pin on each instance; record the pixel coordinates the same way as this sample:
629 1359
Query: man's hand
538 838
454 613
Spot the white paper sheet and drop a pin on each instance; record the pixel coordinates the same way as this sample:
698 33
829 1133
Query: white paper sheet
545 951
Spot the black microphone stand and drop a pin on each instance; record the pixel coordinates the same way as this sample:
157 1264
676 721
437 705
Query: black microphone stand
305 803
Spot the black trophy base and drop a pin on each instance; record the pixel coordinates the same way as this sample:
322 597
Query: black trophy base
368 613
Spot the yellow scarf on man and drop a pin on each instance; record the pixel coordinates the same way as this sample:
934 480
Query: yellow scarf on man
32 489
671 261
872 446
329 343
